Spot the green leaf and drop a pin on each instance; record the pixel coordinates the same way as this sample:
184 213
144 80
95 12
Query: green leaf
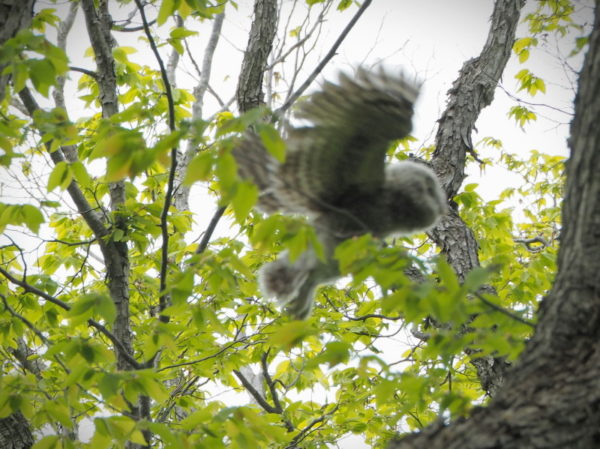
291 334
32 217
43 75
61 176
476 278
105 308
92 305
81 174
226 170
200 168
167 8
245 197
272 141
384 391
59 411
335 352
109 385
181 33
49 442
447 276
19 214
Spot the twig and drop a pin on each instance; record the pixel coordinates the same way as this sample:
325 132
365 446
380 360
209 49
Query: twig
210 229
209 52
122 29
91 217
300 436
36 291
529 243
255 394
502 310
63 242
164 216
300 42
27 323
203 359
84 71
61 42
270 383
280 111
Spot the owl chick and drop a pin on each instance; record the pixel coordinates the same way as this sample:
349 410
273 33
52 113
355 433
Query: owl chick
335 173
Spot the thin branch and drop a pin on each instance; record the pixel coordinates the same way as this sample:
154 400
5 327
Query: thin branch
36 291
502 310
183 191
300 42
123 29
270 383
209 52
89 214
61 42
529 243
330 54
25 321
87 72
210 229
174 58
301 435
118 344
164 216
255 394
203 359
63 242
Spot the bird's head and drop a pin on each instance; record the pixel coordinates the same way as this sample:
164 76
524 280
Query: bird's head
414 197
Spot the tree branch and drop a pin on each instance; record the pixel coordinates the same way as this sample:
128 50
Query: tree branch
330 54
255 394
92 218
183 191
260 42
472 91
25 321
210 230
502 310
550 399
164 216
61 42
40 293
302 434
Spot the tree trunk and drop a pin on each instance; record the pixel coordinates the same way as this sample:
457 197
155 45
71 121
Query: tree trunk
471 92
264 26
14 16
15 433
551 399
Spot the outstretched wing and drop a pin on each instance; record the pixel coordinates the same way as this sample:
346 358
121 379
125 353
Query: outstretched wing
353 122
342 154
255 163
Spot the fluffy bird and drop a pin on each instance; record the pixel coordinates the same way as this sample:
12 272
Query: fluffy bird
335 173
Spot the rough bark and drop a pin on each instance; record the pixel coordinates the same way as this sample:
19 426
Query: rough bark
116 256
551 398
260 43
250 94
14 16
15 433
472 91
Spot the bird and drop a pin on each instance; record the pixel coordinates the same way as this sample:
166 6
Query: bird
335 173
